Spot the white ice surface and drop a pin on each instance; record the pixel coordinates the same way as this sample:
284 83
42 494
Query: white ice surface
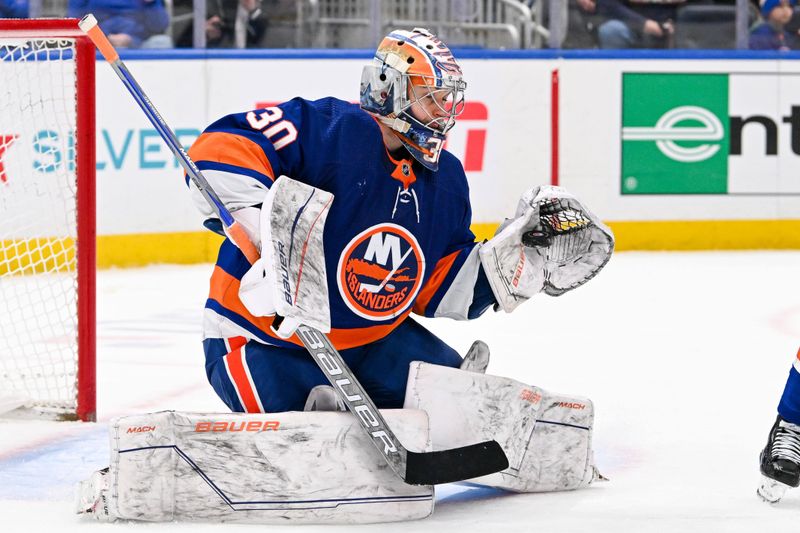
685 356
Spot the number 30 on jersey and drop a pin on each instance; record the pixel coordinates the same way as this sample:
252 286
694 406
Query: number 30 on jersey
271 123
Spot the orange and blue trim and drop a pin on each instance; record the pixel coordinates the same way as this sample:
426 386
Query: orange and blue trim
242 379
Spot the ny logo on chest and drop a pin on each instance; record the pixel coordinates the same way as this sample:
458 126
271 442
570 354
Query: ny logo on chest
380 272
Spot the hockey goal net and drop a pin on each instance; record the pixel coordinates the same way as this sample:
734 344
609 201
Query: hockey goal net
47 218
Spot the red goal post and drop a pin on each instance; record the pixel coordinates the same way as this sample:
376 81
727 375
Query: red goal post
47 250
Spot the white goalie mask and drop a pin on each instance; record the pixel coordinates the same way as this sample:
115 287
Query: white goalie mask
415 86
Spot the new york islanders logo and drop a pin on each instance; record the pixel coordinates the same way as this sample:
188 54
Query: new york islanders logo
380 272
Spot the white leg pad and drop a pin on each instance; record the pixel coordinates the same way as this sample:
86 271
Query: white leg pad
547 437
308 467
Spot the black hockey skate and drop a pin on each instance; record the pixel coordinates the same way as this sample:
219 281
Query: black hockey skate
780 461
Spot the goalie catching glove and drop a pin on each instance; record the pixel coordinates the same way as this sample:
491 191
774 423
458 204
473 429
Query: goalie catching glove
553 244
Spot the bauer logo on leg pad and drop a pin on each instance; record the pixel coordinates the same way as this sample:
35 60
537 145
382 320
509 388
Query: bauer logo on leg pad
530 395
235 426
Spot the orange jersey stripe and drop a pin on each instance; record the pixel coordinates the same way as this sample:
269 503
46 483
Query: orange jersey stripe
221 147
225 290
236 342
235 363
434 282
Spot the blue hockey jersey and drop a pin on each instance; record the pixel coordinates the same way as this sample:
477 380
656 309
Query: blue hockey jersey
397 238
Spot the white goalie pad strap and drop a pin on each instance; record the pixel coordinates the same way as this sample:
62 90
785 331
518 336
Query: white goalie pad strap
290 278
308 467
546 437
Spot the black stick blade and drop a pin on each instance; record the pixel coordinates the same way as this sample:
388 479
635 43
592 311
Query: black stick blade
457 464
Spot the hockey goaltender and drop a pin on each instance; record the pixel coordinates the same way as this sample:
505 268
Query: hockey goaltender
359 217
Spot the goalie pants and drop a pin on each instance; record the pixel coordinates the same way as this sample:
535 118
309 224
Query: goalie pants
256 377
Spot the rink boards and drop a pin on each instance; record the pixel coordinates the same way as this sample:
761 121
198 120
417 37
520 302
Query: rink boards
675 152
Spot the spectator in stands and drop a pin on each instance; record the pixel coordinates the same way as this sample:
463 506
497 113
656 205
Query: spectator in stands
231 24
771 34
128 23
582 22
639 24
14 9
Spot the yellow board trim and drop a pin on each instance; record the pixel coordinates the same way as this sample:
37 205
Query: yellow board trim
484 230
145 249
37 255
707 235
687 235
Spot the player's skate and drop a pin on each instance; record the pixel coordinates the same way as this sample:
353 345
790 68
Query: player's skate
91 497
324 398
780 461
477 358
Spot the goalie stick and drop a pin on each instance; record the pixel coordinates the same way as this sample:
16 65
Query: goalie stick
415 468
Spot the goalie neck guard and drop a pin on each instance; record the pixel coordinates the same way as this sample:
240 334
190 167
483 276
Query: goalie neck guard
415 87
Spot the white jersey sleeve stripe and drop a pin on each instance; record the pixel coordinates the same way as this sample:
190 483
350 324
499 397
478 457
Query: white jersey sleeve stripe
457 300
235 191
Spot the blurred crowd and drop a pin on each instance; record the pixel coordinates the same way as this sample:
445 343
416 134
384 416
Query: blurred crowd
154 24
607 24
773 24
